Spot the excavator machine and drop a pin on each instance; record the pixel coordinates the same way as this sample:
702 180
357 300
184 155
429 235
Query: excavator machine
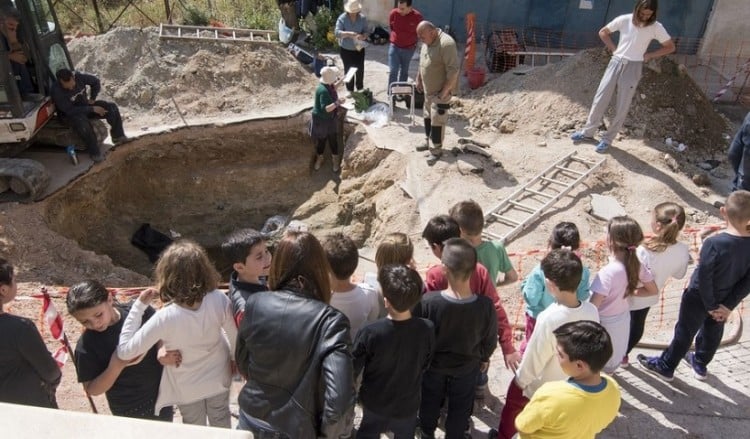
29 118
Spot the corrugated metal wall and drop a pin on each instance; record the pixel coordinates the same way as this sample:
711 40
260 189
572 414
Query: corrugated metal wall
564 18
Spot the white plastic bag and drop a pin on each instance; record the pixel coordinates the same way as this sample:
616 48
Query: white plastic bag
377 115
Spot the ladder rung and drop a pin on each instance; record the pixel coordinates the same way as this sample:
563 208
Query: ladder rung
564 169
523 206
493 235
580 160
552 180
506 219
541 194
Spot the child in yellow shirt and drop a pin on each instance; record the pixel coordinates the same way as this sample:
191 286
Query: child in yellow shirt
587 402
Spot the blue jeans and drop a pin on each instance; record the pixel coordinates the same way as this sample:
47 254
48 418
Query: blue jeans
460 393
693 321
398 63
373 424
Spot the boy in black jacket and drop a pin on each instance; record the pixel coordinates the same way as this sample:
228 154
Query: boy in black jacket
394 353
247 251
465 328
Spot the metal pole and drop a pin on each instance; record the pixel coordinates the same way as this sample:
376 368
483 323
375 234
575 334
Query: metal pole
168 11
98 16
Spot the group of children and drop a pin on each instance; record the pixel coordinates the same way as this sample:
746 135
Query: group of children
418 345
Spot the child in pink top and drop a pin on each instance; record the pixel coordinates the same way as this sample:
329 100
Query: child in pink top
617 280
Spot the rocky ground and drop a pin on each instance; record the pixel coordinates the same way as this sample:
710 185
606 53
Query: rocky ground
385 185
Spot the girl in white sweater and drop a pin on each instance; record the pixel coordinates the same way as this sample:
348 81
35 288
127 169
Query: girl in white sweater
196 326
665 257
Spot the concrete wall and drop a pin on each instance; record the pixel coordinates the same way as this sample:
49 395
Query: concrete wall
377 11
728 26
23 422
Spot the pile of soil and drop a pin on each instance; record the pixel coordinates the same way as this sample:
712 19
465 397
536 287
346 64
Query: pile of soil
554 99
150 76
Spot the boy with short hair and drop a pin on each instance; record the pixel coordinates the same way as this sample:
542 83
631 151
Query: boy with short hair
719 283
491 254
584 404
438 230
465 338
562 271
247 250
358 302
28 373
393 352
131 387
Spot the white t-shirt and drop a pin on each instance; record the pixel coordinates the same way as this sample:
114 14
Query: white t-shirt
205 337
539 364
634 40
360 306
671 263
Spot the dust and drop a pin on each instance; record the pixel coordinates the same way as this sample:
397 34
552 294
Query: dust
554 99
153 78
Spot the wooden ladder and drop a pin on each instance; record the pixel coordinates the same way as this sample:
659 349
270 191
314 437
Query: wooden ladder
222 34
524 206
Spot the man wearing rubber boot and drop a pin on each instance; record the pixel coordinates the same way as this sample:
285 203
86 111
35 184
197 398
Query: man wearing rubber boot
75 104
437 77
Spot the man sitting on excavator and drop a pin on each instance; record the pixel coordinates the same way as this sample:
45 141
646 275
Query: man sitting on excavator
76 105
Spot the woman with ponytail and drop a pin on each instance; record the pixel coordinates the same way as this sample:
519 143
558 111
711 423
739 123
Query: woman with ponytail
618 280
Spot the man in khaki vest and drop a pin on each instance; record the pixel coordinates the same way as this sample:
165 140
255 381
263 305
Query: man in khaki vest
437 77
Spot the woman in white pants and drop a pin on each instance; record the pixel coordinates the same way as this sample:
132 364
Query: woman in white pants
623 73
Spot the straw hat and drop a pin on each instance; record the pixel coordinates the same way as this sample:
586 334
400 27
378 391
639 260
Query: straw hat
353 6
329 74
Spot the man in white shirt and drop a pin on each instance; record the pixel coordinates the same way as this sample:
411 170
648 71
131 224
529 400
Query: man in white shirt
624 70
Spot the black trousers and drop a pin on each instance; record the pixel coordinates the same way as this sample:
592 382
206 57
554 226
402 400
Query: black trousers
460 393
373 425
354 58
81 124
693 322
637 324
333 143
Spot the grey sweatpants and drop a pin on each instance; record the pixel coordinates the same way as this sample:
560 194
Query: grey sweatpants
215 408
622 75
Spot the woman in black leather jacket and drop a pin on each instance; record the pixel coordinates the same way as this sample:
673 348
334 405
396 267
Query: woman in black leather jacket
295 349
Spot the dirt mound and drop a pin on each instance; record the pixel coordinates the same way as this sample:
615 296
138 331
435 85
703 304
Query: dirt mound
554 99
145 74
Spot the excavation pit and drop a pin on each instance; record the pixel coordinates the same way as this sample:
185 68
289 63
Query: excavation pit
204 182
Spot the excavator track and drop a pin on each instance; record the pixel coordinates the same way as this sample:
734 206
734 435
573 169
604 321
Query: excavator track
22 180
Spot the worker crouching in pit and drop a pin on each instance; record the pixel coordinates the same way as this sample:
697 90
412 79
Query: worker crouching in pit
327 111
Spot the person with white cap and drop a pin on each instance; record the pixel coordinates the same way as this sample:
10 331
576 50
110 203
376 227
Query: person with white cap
351 31
323 126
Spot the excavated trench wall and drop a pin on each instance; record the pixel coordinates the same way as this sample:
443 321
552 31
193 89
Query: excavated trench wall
202 182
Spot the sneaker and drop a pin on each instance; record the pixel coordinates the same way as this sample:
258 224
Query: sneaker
578 136
699 371
436 152
424 146
493 434
654 366
119 140
625 362
602 147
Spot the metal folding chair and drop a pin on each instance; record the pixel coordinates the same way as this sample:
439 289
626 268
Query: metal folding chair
402 89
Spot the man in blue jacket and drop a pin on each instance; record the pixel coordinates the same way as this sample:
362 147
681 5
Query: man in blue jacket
76 104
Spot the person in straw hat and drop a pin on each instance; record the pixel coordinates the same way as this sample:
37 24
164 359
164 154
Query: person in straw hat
326 109
351 31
